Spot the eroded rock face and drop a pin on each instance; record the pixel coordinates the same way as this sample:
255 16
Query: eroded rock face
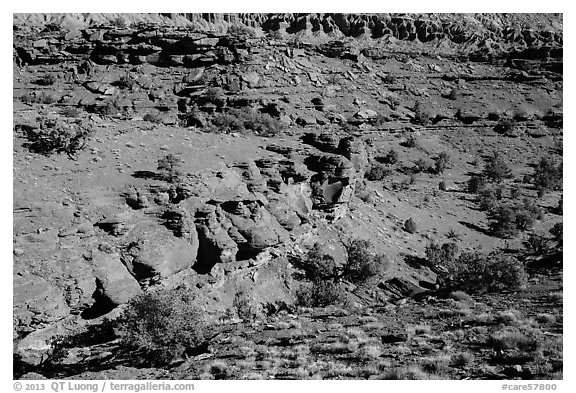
215 244
256 225
37 303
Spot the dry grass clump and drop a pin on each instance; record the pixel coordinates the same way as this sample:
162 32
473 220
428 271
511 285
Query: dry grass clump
413 372
512 339
556 296
460 296
419 330
545 318
482 319
508 317
370 352
462 359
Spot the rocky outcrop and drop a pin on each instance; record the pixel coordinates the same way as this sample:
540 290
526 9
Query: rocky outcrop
161 39
153 252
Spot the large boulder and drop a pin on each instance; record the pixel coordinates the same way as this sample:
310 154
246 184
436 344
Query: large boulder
115 285
154 252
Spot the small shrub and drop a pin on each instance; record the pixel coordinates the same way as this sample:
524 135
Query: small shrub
512 340
70 111
505 127
557 232
453 235
411 142
503 221
320 294
214 96
46 80
547 175
515 192
243 306
235 120
161 324
487 199
388 79
391 157
241 30
438 255
153 118
361 265
54 136
420 165
496 168
442 185
441 162
421 116
476 184
499 193
38 98
169 167
410 226
319 266
463 359
475 272
125 82
460 296
377 172
545 318
537 243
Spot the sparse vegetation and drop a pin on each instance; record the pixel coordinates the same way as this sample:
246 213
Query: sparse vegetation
169 166
38 98
54 136
378 172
